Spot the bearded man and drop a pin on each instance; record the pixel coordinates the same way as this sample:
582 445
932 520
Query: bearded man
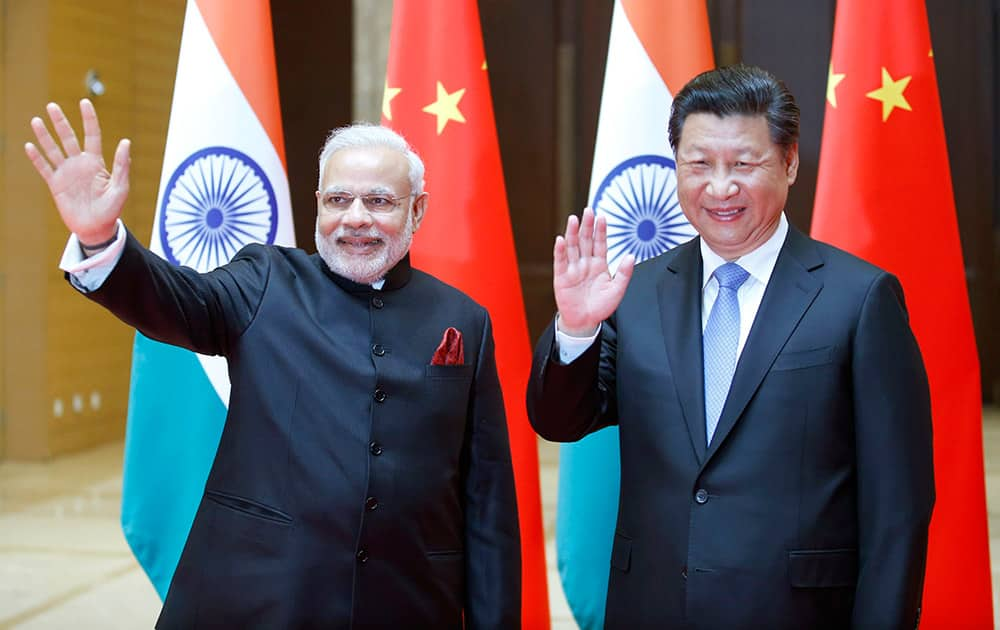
363 478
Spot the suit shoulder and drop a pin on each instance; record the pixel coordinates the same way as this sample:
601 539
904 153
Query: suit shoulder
443 292
652 268
840 261
273 254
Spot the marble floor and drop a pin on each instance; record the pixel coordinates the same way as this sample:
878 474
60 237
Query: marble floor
65 564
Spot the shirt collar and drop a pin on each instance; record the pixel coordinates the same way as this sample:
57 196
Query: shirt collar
759 263
396 278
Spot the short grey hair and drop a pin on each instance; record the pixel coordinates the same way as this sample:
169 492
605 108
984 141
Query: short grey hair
363 134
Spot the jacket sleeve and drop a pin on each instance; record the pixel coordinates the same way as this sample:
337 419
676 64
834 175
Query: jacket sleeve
492 535
205 313
566 402
895 463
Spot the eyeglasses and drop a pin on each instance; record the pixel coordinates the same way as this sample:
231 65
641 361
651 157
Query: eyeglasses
376 203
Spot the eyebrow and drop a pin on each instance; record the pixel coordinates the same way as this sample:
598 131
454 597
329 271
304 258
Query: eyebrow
375 190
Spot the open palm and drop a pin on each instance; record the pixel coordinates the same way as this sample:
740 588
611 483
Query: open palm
88 197
586 293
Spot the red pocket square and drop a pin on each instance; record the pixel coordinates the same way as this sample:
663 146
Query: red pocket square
451 351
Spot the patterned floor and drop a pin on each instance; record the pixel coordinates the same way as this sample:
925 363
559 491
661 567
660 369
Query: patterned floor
65 564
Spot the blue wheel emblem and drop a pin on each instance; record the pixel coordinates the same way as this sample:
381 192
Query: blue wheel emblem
217 201
639 200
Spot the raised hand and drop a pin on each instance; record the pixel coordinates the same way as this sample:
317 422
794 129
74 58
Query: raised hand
88 197
586 293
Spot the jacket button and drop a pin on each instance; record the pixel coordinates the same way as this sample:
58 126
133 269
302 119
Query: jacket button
377 302
378 350
375 448
701 497
362 556
371 503
380 395
684 573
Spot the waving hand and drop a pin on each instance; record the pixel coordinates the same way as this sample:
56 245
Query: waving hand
586 292
88 197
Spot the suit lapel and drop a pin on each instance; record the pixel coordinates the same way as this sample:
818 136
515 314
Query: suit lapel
681 285
790 291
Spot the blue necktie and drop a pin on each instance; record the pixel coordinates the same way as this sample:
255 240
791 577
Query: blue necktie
722 335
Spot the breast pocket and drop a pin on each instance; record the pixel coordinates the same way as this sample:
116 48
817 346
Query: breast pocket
802 359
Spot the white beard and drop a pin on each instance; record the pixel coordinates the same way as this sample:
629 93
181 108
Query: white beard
364 270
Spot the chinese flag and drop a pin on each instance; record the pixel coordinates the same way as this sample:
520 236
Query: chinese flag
884 193
437 95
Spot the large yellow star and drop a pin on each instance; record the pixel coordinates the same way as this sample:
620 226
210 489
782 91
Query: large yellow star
891 94
446 107
387 96
832 81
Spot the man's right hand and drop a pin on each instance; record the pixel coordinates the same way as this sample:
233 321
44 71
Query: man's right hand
586 293
89 198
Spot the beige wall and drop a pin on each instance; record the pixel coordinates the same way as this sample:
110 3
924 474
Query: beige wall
64 363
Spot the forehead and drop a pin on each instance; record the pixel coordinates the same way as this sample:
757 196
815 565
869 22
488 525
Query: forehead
704 131
367 168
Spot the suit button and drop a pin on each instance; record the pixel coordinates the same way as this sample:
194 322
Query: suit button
684 572
371 503
362 556
375 448
701 497
380 395
378 350
377 302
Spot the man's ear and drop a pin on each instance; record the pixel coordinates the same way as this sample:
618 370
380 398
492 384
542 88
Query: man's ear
792 163
419 208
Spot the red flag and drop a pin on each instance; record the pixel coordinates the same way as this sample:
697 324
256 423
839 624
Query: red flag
884 193
437 95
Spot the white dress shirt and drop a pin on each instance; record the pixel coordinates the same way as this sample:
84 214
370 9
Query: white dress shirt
759 264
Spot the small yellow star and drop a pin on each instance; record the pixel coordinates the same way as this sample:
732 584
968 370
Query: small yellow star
446 107
387 96
832 81
891 94
930 53
484 65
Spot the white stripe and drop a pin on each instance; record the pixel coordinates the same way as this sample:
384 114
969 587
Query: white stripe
209 109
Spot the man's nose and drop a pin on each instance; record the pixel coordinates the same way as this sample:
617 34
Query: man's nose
721 184
357 214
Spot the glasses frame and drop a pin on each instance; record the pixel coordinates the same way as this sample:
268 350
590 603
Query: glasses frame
366 201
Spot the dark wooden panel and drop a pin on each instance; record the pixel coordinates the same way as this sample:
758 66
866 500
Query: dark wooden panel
312 44
964 36
520 43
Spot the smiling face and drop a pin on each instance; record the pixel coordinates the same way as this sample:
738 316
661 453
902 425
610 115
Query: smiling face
356 243
733 180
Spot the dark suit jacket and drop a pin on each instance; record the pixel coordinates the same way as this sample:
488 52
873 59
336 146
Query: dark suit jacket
810 508
355 485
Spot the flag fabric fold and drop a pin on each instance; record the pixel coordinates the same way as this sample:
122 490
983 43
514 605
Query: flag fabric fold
437 95
884 193
655 47
223 185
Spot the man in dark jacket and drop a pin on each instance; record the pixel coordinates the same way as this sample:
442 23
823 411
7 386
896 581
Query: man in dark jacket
773 409
363 478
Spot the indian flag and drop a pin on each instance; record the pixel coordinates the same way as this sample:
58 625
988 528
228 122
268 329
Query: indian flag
223 186
656 47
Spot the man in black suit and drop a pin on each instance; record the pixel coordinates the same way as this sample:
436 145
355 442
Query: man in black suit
363 478
772 402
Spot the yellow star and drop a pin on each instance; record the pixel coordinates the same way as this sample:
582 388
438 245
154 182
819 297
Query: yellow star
891 94
930 53
387 96
484 65
832 81
446 107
